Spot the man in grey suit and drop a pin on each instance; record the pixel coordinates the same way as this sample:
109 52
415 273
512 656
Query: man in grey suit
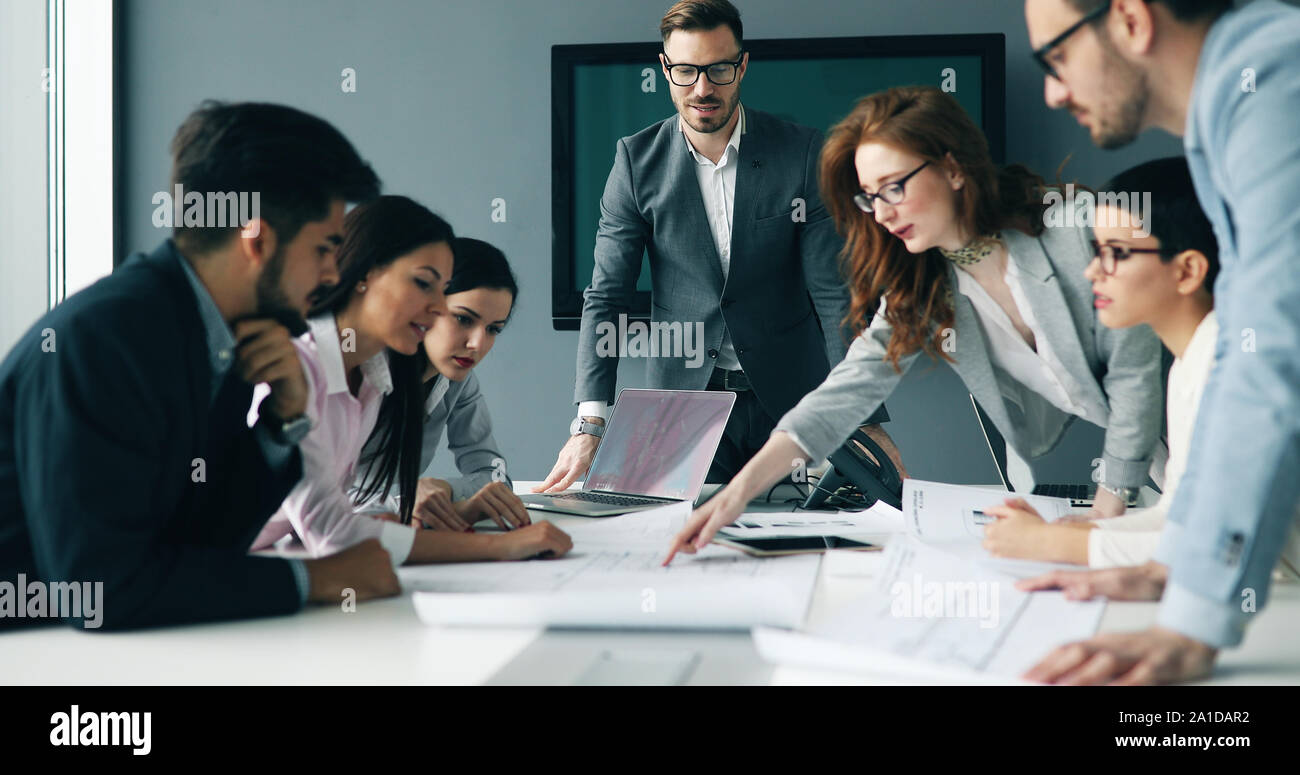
743 256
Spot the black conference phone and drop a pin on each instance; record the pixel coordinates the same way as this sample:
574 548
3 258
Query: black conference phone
855 481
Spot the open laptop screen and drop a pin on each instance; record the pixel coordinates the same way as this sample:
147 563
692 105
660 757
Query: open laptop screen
660 442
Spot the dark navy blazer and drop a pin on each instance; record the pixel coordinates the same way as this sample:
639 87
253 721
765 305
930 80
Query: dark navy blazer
118 466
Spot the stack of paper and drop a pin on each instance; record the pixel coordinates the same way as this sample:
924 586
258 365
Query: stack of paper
930 609
940 607
613 578
881 520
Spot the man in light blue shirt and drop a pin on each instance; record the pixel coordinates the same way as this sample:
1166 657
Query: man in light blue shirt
1228 81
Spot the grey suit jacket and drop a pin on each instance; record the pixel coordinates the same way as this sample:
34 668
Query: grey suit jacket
461 409
783 299
1121 369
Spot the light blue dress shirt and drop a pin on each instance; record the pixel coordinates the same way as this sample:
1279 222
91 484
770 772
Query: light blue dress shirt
1228 521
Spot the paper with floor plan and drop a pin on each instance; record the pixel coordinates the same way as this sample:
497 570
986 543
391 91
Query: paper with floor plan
931 609
613 579
879 520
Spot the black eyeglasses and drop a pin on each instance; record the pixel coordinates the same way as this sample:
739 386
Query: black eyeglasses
1040 54
892 193
718 73
1111 255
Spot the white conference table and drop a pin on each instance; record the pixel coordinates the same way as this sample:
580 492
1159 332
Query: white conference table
383 642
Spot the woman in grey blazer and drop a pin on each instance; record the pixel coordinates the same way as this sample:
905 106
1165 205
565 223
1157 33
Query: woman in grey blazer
950 256
480 299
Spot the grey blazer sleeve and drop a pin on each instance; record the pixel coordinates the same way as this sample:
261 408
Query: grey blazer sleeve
621 237
854 389
470 440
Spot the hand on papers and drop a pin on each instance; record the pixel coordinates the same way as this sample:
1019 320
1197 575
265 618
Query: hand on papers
542 539
1154 656
721 510
265 353
433 506
497 502
1021 532
1139 582
365 569
769 466
573 462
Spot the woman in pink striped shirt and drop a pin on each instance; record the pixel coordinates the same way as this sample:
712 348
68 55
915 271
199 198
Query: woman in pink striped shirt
363 344
481 299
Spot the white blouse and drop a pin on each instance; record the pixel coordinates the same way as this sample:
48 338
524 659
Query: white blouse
1039 370
1131 539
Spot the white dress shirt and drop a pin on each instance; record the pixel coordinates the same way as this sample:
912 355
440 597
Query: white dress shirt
718 188
319 511
1039 369
1131 539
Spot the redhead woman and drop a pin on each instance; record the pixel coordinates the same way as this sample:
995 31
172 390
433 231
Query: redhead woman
951 257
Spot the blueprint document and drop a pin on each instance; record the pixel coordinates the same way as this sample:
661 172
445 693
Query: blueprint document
940 607
613 577
931 609
952 517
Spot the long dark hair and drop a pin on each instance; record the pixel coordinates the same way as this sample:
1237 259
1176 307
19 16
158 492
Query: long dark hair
930 124
376 234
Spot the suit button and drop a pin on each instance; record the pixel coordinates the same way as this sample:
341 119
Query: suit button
726 303
713 353
740 351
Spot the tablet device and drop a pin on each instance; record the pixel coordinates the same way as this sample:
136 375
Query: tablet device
779 545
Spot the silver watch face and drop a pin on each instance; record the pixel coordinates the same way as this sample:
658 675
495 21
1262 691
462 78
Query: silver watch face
575 426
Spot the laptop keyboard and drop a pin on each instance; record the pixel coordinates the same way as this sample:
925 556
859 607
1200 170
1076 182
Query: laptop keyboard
605 499
1078 492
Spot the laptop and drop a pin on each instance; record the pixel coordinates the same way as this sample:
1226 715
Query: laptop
1080 495
657 449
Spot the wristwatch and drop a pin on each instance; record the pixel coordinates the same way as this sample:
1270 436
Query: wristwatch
284 432
580 425
1125 494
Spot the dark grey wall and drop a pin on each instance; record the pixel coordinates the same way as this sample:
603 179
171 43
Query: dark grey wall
453 108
